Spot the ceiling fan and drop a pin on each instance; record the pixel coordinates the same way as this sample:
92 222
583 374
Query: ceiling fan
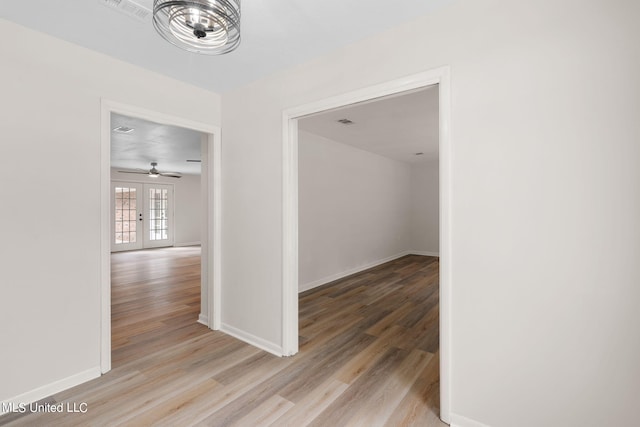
154 173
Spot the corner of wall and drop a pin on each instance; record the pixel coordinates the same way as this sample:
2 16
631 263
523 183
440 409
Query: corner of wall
203 319
253 340
185 244
329 279
424 253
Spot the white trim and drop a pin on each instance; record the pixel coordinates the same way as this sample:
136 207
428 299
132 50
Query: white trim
203 319
215 229
106 108
105 238
328 279
460 421
290 235
182 245
54 387
424 253
446 256
290 209
255 341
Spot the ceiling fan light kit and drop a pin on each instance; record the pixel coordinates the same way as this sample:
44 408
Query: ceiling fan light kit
210 27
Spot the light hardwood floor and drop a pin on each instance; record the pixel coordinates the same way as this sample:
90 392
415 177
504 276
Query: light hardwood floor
368 354
155 301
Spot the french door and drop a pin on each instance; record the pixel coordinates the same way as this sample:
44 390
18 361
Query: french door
141 216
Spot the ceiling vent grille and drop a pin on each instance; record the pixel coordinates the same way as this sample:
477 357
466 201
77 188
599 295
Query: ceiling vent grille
129 8
123 129
345 121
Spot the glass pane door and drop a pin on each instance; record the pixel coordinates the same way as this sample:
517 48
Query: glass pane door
141 215
159 209
125 214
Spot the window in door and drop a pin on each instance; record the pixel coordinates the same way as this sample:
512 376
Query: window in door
158 199
125 210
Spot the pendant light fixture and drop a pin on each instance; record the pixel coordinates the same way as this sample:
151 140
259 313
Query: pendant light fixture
211 27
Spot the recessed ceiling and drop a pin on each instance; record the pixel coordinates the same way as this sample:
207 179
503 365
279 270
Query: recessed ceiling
396 127
275 34
169 146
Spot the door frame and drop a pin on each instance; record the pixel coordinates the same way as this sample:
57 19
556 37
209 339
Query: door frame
211 242
440 76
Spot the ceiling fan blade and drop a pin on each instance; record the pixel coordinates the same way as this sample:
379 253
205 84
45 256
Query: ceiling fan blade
170 174
141 172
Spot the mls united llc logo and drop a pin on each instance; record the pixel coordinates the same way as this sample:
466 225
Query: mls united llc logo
21 408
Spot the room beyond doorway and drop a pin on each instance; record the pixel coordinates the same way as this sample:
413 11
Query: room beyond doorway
372 226
380 200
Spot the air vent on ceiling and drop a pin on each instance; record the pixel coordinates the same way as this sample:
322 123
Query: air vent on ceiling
128 7
123 129
345 121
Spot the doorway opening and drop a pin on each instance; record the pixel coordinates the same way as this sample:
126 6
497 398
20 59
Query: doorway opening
291 206
160 228
368 244
156 295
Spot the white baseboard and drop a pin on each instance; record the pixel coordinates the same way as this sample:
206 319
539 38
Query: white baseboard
203 319
460 421
328 279
425 253
53 388
255 341
179 245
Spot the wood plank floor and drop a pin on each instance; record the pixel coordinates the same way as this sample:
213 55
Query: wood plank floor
368 356
155 301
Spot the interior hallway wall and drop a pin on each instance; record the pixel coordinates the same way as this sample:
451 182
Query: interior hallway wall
425 208
50 273
354 209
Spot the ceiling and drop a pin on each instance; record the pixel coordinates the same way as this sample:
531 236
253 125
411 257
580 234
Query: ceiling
397 126
276 34
169 146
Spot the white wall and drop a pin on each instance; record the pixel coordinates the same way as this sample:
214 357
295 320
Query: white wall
354 209
546 200
50 272
187 201
425 208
